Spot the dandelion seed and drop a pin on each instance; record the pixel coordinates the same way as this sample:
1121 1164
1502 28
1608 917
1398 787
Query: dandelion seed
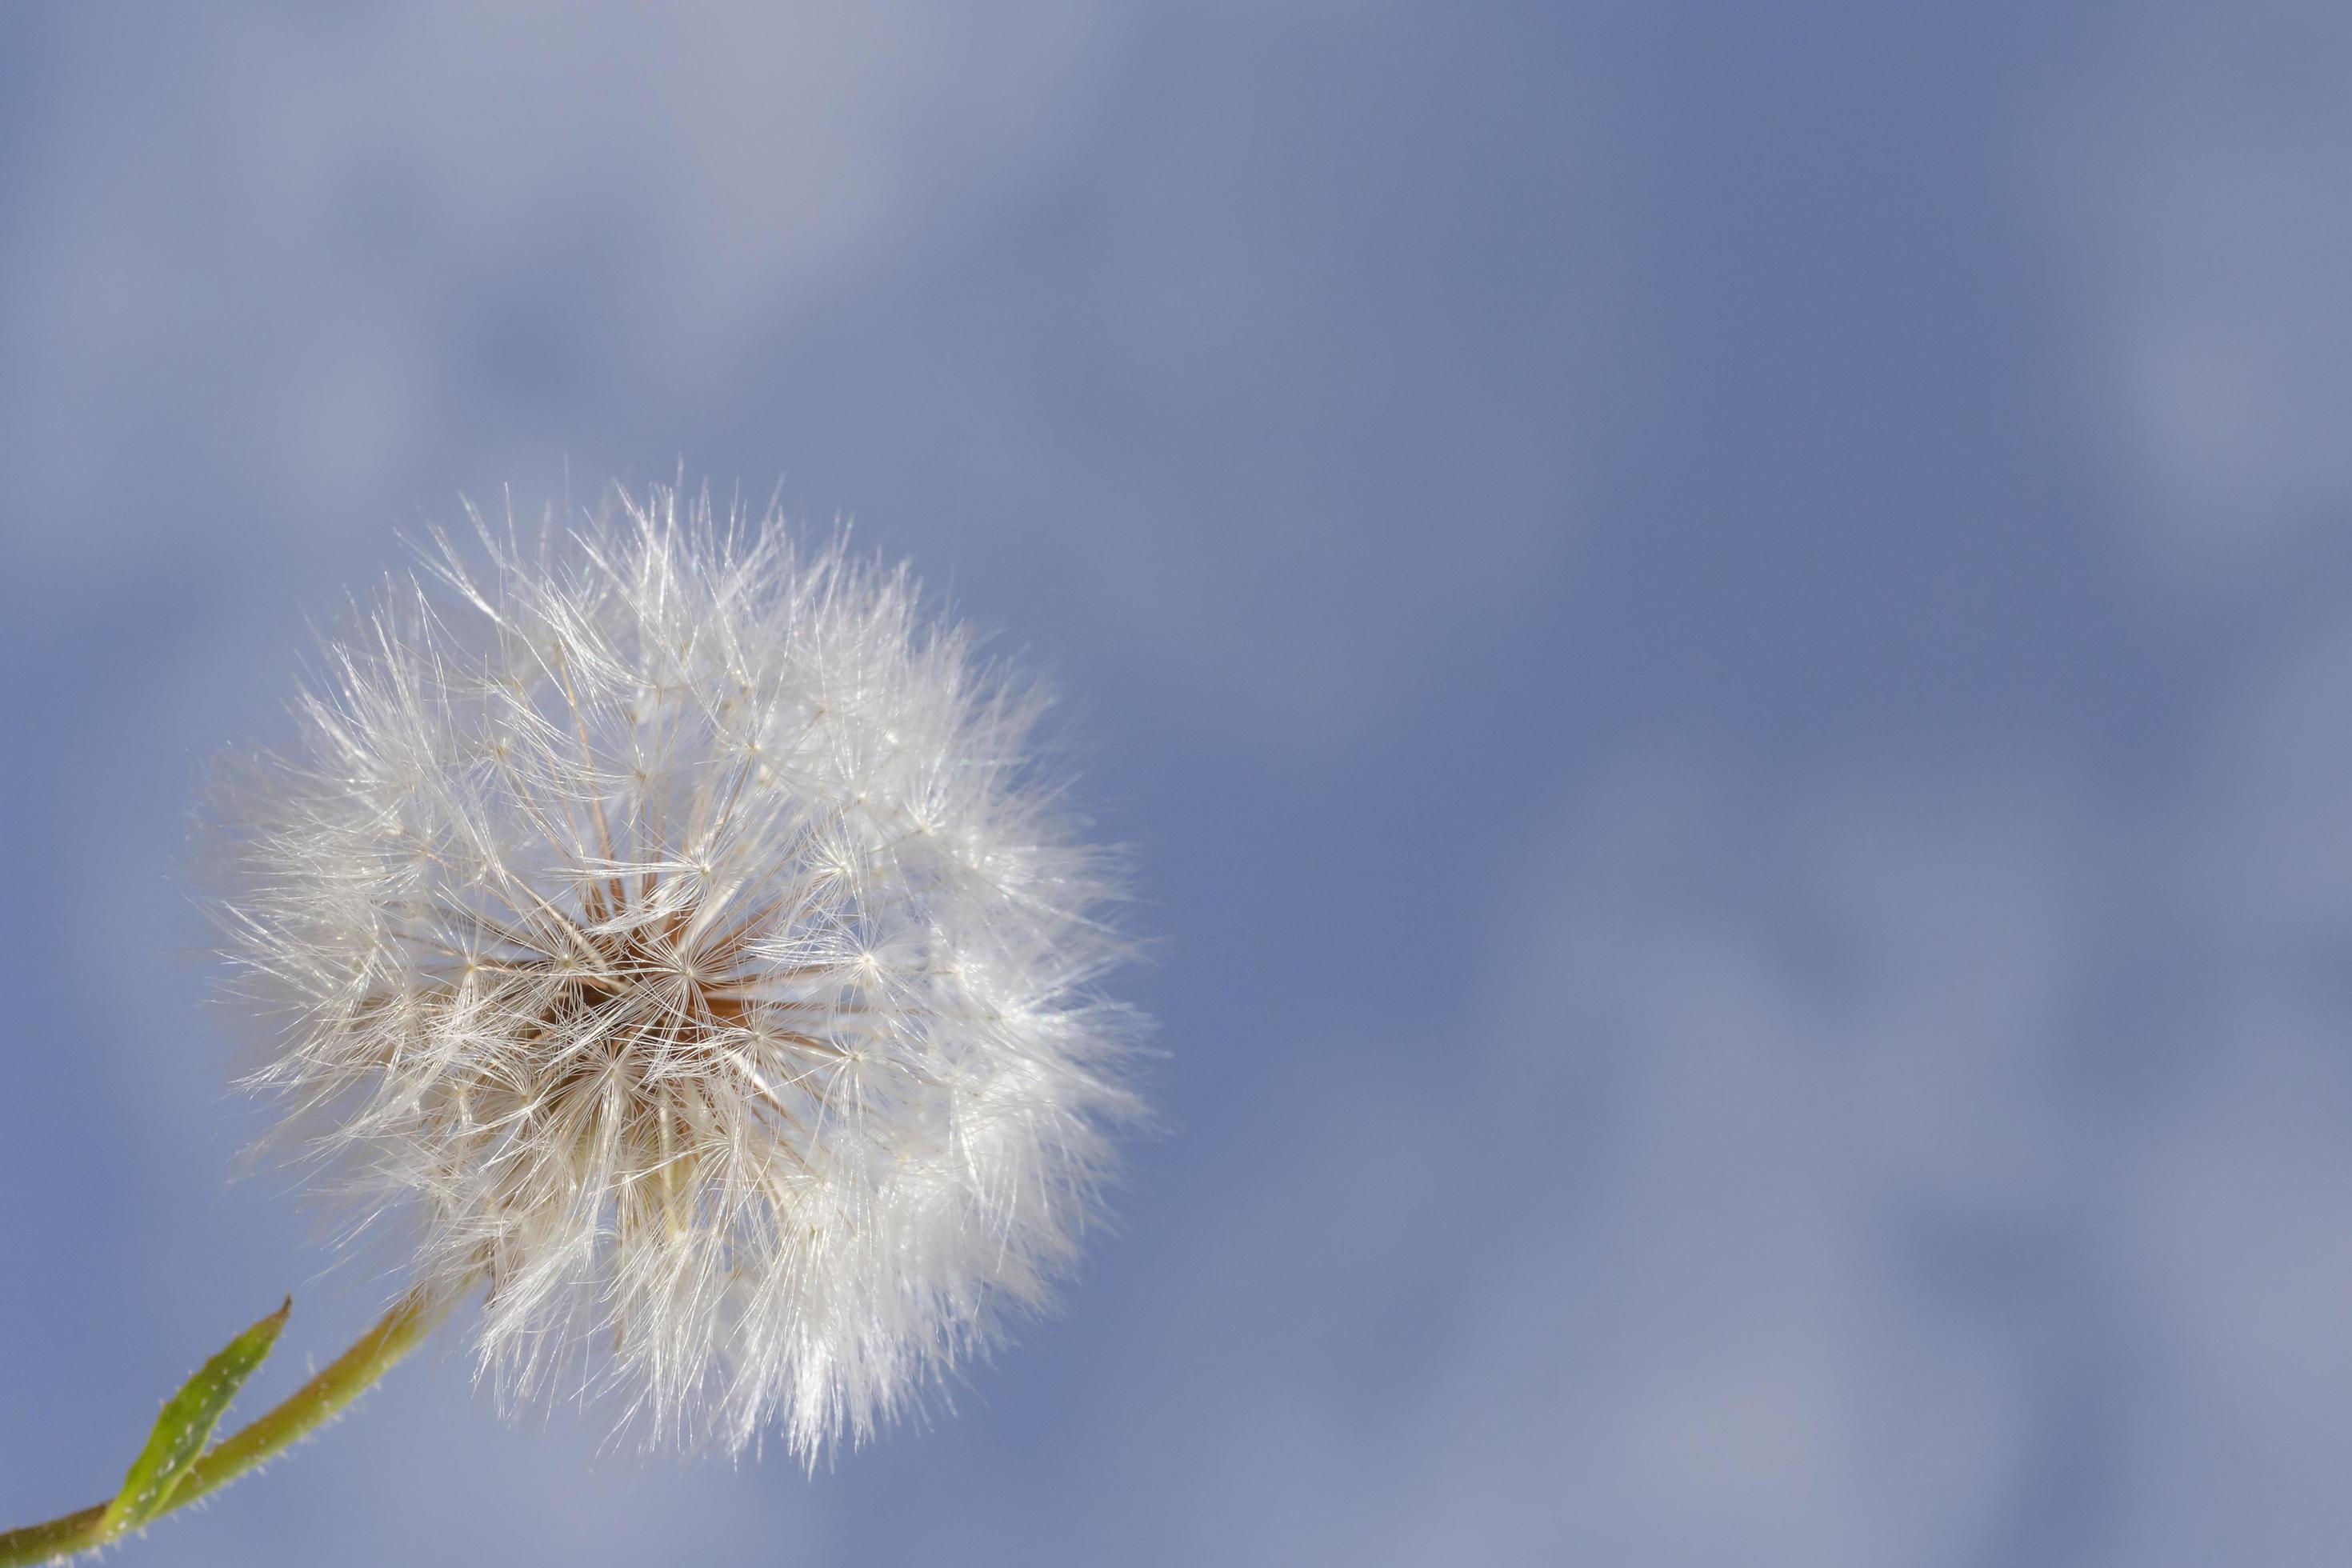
673 925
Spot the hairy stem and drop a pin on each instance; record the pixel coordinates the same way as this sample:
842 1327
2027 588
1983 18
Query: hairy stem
309 1408
58 1537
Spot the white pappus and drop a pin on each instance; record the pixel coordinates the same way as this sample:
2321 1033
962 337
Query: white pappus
673 925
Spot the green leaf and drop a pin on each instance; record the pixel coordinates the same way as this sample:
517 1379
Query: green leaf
186 1424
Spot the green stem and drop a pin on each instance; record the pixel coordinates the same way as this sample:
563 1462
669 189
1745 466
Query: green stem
311 1406
58 1537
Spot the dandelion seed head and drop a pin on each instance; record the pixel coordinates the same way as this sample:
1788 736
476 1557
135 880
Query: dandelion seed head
676 926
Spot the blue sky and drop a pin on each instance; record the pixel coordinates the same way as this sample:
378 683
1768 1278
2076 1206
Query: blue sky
1725 633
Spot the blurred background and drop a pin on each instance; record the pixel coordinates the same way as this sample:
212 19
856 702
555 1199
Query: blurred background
1726 633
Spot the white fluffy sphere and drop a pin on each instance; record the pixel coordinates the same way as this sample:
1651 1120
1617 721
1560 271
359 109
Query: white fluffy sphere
675 928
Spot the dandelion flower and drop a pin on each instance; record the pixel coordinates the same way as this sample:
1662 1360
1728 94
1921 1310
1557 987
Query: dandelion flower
673 928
